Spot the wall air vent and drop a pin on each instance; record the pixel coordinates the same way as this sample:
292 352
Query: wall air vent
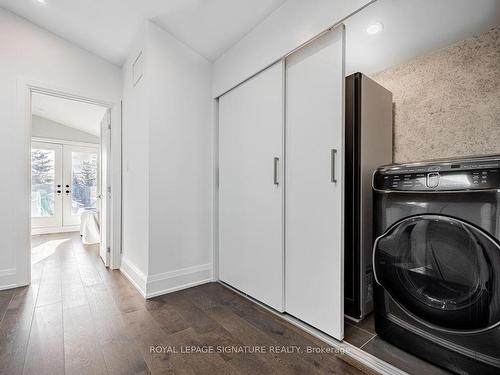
137 69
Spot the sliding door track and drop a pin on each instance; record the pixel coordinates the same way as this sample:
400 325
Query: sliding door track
364 358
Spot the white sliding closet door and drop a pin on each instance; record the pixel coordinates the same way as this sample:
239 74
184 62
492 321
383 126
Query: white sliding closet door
314 176
251 187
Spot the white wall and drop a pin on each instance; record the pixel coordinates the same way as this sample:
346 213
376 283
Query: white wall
167 134
180 155
294 23
30 53
42 127
135 153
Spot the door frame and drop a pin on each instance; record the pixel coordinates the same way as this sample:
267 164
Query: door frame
25 89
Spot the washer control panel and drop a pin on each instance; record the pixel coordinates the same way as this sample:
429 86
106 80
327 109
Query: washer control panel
432 179
468 175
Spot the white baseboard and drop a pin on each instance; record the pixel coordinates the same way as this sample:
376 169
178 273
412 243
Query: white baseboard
134 275
167 282
48 230
8 278
184 278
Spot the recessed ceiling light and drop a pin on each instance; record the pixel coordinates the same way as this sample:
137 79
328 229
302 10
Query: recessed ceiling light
374 28
43 2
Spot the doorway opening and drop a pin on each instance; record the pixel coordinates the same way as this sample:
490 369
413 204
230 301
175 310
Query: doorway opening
70 176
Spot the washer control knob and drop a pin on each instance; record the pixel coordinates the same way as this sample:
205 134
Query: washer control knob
433 180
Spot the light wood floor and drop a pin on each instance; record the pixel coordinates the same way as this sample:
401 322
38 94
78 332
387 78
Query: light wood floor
77 317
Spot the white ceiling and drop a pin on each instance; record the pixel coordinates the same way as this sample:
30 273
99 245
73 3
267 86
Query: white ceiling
412 28
108 27
82 116
212 26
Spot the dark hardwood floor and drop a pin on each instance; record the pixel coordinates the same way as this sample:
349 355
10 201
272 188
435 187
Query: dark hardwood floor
363 335
77 317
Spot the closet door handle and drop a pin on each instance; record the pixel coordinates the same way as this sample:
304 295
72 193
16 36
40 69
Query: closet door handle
333 171
276 171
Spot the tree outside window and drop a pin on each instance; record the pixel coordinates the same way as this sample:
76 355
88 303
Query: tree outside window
84 181
42 182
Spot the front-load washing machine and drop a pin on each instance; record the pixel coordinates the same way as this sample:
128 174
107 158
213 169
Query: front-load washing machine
436 261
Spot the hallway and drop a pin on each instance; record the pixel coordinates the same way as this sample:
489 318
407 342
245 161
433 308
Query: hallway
77 317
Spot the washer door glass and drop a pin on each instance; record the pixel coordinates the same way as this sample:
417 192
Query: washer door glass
440 269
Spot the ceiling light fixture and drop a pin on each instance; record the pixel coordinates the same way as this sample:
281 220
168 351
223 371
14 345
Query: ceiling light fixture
43 2
374 28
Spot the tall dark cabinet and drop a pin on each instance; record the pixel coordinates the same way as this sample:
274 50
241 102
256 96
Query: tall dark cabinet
368 144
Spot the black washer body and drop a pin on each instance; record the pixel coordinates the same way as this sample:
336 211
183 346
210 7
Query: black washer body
436 261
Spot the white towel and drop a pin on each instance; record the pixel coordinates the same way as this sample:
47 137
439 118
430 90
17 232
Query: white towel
89 227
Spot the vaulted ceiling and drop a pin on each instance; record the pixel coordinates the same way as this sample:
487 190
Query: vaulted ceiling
108 27
78 115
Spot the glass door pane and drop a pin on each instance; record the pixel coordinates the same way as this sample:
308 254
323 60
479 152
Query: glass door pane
46 185
84 181
80 182
42 182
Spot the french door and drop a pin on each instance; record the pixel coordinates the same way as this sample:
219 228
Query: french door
64 183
